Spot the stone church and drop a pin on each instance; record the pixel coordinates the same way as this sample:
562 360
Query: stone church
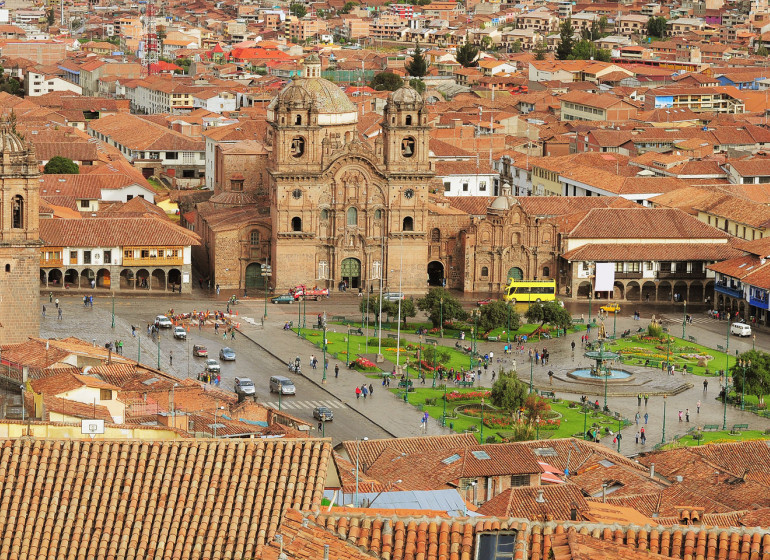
19 238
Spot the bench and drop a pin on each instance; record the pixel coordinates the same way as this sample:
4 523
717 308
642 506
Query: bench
720 348
548 394
738 428
339 318
693 339
576 321
393 336
403 384
655 363
431 341
357 331
465 383
492 338
711 428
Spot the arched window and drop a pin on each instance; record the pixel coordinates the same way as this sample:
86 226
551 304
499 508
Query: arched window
408 121
546 271
17 211
254 237
352 216
324 214
298 120
408 224
435 235
378 214
8 268
484 271
296 223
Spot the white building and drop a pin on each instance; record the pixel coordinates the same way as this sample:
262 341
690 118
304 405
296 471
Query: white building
36 84
467 178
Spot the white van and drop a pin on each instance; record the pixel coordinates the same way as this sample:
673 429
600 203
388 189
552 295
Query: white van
281 384
740 329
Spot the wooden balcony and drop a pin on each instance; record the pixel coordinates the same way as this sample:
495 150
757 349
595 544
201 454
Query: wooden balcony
51 263
51 257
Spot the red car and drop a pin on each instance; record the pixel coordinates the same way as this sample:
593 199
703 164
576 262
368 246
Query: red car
484 302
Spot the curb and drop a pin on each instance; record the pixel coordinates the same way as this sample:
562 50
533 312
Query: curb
319 385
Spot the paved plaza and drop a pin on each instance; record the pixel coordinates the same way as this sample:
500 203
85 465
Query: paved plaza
274 347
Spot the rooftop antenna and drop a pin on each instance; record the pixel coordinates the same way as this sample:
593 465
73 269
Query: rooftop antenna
150 53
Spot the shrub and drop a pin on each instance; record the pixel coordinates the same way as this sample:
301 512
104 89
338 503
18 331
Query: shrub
654 330
491 439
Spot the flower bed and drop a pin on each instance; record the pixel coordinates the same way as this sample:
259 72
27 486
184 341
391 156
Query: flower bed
362 364
457 396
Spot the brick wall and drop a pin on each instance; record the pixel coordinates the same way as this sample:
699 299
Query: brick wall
20 309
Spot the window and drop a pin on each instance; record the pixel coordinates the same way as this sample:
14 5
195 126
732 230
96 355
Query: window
483 186
8 268
172 155
408 224
665 267
296 224
496 546
324 214
447 186
73 257
85 203
619 267
105 395
127 254
378 214
546 271
297 147
298 120
86 257
254 237
648 265
435 235
407 147
484 271
519 480
352 217
377 269
108 257
17 211
408 120
323 270
236 185
145 253
465 187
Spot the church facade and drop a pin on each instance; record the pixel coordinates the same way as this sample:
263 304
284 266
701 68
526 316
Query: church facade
19 238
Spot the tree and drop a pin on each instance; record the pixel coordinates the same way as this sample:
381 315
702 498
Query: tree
757 375
508 393
566 33
50 17
418 85
534 406
373 305
495 314
466 55
656 26
516 46
347 7
541 49
603 22
438 354
386 81
61 165
486 42
431 304
586 50
761 49
550 312
407 309
298 9
418 66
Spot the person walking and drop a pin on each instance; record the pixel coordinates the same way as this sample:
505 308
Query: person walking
573 346
170 359
638 433
371 390
705 385
364 391
336 370
698 407
60 313
232 334
50 297
646 398
643 435
639 399
646 417
358 392
637 418
57 303
687 415
44 312
680 415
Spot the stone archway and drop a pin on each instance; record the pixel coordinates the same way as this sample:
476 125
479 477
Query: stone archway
649 291
664 291
55 278
584 289
126 279
633 291
680 291
514 273
350 272
175 279
43 278
708 292
143 279
618 290
71 277
435 273
696 292
720 302
158 279
254 278
86 276
103 278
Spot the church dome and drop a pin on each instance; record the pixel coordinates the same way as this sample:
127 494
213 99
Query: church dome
500 203
405 96
320 96
9 141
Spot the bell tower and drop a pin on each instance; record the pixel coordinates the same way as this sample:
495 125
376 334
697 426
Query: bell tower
406 132
19 238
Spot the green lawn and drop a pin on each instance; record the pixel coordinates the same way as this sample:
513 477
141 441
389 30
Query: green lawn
571 419
717 437
636 351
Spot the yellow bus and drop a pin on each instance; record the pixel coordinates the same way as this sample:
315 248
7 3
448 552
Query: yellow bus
523 291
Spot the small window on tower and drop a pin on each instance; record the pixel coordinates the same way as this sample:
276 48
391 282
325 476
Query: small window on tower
408 120
8 268
298 120
407 147
297 147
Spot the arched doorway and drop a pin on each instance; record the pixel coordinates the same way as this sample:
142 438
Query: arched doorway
71 278
175 279
103 278
254 278
86 276
158 279
680 291
708 292
515 273
633 291
143 279
618 290
351 273
126 279
54 278
649 291
664 291
584 288
43 278
435 273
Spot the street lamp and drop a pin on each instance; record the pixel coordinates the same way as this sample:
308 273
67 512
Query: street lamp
158 339
615 324
299 318
323 343
537 426
482 420
589 306
753 341
267 271
304 312
357 447
435 370
620 427
508 330
744 365
684 320
668 351
664 419
443 414
531 372
113 310
441 316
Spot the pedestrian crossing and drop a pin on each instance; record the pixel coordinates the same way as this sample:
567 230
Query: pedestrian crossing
291 404
698 320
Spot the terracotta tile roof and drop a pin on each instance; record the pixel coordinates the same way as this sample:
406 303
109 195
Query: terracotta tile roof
467 167
347 473
548 206
643 223
368 451
559 500
116 232
75 409
140 134
738 267
602 101
474 205
182 499
66 382
620 480
652 252
439 148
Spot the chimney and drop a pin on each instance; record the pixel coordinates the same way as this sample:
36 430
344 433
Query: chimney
540 499
326 552
604 492
652 470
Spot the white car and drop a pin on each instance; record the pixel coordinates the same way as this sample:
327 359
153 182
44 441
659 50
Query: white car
180 333
163 322
740 329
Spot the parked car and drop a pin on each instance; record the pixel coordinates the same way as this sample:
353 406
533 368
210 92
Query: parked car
392 296
281 384
283 298
180 333
740 329
611 308
244 386
486 301
163 322
227 354
212 365
200 351
322 413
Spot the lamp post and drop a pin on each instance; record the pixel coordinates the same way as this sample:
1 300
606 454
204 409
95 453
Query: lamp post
744 365
443 414
113 310
684 320
139 351
406 382
508 330
753 341
323 343
299 317
585 422
620 427
441 316
589 305
727 358
357 447
531 372
280 392
537 426
435 370
267 271
347 354
419 359
663 440
615 324
668 351
158 339
304 312
482 421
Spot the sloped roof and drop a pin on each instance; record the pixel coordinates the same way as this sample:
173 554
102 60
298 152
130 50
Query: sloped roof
115 232
643 223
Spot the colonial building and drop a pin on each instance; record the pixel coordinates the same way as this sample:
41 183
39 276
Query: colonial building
19 237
